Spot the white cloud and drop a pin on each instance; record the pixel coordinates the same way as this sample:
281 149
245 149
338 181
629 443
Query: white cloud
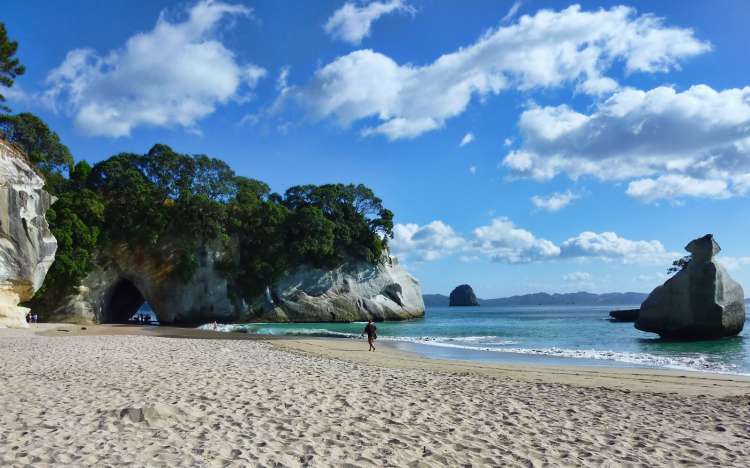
507 142
468 138
670 144
511 12
351 23
555 201
733 263
503 241
424 243
675 186
173 75
473 170
550 48
578 277
610 246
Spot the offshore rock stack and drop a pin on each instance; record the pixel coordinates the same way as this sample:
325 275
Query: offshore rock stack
701 301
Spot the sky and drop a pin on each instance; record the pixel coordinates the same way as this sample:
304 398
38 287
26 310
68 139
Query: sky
523 146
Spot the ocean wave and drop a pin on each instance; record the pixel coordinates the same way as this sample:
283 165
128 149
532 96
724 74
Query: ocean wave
495 344
454 341
698 362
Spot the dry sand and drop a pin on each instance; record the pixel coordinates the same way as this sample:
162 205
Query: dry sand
106 396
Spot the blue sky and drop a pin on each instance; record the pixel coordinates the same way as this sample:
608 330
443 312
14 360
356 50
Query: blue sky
598 139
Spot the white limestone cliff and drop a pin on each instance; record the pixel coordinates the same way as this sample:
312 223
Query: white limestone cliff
27 247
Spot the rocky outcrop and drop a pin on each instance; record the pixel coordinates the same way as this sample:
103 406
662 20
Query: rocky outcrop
124 279
352 292
27 247
625 315
701 301
463 296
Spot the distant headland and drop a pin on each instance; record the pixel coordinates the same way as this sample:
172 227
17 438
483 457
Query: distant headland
543 298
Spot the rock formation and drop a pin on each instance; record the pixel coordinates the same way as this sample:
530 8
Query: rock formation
624 315
701 301
124 279
463 296
27 247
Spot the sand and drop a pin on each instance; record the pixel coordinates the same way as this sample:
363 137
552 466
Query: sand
113 396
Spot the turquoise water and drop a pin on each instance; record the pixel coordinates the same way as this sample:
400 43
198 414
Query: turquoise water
542 334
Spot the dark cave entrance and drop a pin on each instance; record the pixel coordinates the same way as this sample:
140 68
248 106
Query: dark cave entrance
123 303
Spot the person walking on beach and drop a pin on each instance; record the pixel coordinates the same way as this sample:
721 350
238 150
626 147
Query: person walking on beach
372 335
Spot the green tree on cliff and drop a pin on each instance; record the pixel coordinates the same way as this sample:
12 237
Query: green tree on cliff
41 145
10 66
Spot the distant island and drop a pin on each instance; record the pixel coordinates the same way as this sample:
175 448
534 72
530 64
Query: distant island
541 298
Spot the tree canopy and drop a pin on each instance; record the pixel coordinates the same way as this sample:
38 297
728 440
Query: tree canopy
10 66
41 145
167 202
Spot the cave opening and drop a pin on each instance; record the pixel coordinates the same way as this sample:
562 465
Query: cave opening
124 302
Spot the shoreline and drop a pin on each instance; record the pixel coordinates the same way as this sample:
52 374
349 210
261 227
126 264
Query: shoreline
389 355
167 396
632 379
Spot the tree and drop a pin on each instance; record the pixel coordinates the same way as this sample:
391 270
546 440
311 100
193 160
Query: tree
41 145
10 66
679 264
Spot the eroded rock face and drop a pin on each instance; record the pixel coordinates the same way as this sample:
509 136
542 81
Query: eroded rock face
125 278
27 247
699 302
355 291
463 296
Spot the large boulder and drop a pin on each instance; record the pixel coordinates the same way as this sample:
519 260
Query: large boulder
463 296
27 247
701 301
355 291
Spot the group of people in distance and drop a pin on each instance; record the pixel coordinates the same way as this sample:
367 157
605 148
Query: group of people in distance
32 318
142 318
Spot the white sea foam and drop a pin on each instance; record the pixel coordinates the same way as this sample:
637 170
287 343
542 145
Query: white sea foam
697 362
495 344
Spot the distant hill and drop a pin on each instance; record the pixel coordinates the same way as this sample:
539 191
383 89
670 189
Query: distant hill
436 300
578 298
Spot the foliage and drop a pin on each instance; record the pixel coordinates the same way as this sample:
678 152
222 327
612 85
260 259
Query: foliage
171 204
75 220
10 66
679 264
41 145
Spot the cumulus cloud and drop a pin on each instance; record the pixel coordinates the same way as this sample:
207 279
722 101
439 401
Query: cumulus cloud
669 144
578 277
610 246
555 201
468 138
734 263
173 75
502 241
351 23
424 243
550 48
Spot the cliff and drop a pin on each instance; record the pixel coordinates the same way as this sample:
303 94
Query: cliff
124 278
27 247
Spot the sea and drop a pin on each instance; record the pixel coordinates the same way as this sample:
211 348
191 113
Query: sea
553 335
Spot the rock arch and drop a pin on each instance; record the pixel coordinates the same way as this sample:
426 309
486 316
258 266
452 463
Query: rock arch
122 302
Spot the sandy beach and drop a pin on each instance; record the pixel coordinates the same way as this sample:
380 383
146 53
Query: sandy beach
152 396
